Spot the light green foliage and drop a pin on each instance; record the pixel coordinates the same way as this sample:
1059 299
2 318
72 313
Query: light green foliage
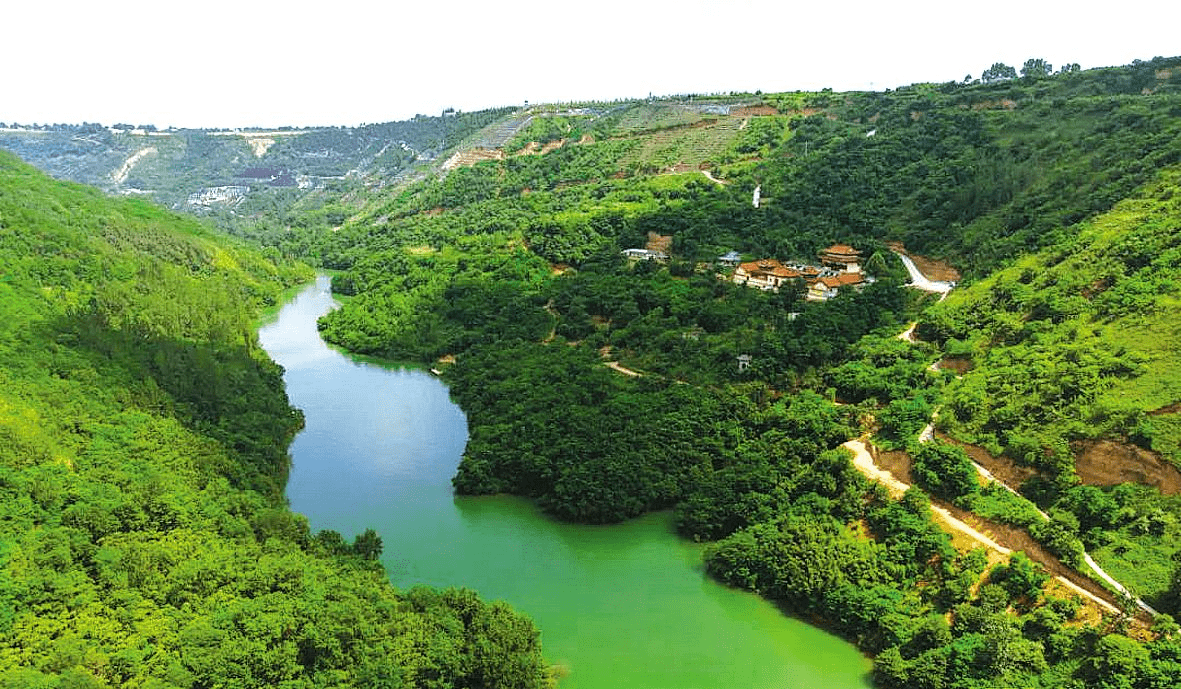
1133 535
943 469
1065 344
547 128
761 135
1078 334
1077 342
144 538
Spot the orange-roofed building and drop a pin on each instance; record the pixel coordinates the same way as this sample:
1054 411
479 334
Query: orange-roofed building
828 287
767 274
841 257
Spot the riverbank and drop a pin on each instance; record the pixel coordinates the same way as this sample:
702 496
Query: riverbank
620 605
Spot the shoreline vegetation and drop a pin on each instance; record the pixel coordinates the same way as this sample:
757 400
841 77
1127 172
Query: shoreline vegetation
512 266
144 539
1056 194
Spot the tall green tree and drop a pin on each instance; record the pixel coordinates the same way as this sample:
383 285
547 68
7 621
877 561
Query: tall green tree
1036 68
999 71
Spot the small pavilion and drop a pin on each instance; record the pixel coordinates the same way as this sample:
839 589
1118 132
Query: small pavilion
841 257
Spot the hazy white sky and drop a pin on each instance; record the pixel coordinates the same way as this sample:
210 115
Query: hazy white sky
218 63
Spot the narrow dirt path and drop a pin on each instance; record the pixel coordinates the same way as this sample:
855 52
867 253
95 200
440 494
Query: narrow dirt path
928 434
864 463
710 176
616 366
119 176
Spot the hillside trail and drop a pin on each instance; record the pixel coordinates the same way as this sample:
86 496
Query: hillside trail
119 176
616 366
710 176
928 434
864 463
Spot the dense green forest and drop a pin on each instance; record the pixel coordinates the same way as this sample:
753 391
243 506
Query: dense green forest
1052 192
604 388
144 539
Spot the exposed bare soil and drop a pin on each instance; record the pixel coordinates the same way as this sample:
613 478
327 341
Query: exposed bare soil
1107 463
1004 469
959 364
1168 409
993 104
659 242
896 462
931 268
535 148
120 175
1096 287
1097 462
471 157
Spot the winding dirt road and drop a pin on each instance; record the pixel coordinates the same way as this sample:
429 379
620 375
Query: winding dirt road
864 463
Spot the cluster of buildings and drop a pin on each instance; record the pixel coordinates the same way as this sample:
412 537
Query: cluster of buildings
840 267
230 195
645 255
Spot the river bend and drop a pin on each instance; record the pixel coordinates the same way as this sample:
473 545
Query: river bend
618 606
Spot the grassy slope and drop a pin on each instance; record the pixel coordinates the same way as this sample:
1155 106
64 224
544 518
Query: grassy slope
1115 285
1113 293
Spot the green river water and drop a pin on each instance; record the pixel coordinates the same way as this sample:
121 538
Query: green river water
625 606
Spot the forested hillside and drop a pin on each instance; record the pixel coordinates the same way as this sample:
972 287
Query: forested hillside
1075 345
144 537
604 388
274 174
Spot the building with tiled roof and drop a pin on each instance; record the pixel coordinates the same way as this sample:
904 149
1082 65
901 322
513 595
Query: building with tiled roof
730 259
827 287
766 273
841 257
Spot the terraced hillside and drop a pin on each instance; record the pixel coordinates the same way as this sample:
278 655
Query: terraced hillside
170 165
699 145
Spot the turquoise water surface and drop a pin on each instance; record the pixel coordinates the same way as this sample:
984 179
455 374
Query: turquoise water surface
624 606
